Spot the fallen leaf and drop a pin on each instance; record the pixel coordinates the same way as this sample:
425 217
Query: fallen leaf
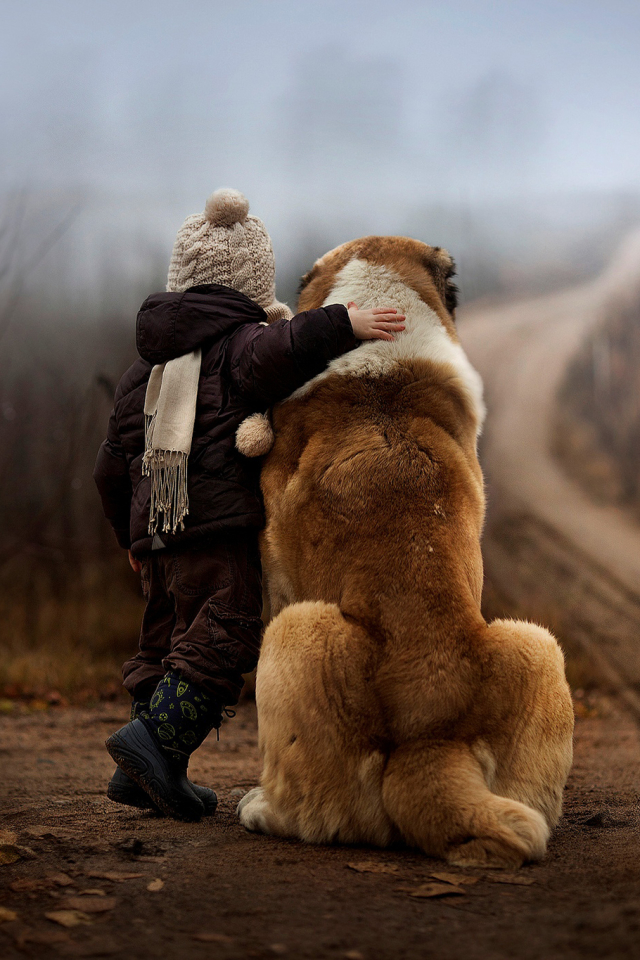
603 819
92 892
44 832
140 848
41 883
9 853
89 904
61 879
455 878
515 878
212 937
373 866
116 875
155 885
30 886
69 918
6 916
7 836
427 890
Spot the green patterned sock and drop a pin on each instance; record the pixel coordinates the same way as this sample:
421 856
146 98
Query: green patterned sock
181 715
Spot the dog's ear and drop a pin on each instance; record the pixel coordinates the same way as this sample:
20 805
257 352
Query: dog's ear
443 269
308 277
451 290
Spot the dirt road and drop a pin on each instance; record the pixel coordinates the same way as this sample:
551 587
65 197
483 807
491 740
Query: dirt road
553 552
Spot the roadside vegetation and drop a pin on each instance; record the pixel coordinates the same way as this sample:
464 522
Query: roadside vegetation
597 433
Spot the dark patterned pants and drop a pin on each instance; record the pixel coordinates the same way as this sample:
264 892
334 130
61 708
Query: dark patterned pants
202 618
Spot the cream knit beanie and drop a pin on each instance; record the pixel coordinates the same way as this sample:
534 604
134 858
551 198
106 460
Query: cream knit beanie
225 245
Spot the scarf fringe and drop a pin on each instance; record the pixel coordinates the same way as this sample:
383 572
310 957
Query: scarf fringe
168 472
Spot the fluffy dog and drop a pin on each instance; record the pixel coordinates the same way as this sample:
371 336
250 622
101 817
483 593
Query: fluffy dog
389 710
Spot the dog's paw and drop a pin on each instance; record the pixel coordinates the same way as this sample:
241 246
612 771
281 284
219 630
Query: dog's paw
520 835
253 811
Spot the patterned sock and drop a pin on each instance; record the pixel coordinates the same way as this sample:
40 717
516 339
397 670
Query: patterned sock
181 715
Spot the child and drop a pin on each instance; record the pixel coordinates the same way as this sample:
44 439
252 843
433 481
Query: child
184 502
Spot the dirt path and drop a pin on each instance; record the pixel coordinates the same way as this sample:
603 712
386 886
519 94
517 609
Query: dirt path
583 558
229 894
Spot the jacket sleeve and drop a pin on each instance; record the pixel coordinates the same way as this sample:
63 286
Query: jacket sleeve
269 363
111 475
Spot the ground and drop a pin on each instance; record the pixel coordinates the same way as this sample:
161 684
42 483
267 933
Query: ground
231 894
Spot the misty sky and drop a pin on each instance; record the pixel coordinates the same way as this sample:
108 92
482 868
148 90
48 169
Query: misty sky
319 105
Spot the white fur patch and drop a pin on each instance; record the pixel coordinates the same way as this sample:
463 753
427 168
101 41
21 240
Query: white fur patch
424 337
252 811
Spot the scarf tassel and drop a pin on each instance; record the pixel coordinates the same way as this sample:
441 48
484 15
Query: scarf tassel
168 472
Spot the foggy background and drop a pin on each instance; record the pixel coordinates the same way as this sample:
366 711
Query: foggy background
484 126
505 131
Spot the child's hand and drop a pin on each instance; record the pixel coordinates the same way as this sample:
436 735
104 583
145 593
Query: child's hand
376 324
136 566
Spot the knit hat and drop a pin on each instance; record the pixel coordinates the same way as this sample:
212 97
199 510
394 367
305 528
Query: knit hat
225 245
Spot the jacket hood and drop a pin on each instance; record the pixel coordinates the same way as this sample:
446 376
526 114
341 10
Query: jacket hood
172 324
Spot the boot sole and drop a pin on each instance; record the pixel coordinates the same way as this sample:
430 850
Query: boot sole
136 765
142 801
131 798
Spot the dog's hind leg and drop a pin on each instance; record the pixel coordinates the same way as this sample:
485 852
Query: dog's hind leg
437 795
532 744
318 729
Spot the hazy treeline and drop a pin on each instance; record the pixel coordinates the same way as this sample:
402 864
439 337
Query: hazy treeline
67 602
598 436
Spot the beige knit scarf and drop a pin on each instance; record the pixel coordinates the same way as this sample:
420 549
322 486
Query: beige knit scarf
169 416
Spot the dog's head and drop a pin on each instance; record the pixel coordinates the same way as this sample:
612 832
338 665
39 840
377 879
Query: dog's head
427 270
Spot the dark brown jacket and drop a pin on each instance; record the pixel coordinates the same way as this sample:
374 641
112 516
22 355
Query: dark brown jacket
246 367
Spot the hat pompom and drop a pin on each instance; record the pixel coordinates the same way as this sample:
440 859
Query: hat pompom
254 436
226 207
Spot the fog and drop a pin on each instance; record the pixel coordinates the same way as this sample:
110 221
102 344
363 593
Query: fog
483 126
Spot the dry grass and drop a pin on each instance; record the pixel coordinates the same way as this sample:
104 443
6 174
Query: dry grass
597 424
66 635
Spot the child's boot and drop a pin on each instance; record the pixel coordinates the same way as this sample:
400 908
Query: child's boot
154 749
122 789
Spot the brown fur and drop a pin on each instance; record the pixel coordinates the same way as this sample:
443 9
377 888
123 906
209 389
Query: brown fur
388 708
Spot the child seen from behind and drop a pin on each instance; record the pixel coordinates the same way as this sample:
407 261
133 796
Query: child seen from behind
214 349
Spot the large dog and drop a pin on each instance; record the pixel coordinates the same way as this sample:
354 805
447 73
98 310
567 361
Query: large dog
389 710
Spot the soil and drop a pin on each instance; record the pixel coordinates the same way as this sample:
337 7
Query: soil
231 894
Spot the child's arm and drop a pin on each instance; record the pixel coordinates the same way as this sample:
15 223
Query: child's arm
269 363
111 475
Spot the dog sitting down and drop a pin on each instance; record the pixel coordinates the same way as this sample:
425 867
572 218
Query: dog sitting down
389 710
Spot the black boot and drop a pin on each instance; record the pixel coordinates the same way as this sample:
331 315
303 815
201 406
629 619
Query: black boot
122 789
154 749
